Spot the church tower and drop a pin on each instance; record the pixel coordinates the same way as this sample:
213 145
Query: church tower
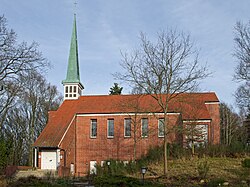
72 85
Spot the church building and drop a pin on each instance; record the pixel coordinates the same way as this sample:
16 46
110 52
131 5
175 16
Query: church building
90 129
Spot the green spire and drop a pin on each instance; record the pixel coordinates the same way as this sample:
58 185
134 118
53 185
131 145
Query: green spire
73 75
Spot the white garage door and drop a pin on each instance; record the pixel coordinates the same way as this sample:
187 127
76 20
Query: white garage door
48 160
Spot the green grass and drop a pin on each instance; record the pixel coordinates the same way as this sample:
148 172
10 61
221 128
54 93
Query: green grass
220 170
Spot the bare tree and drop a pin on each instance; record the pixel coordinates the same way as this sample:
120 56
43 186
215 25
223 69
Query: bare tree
229 123
25 96
133 126
16 59
242 71
164 70
39 97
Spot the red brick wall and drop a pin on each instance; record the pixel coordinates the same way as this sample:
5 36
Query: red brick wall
214 111
68 146
121 148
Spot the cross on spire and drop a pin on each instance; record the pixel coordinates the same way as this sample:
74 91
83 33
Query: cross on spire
75 3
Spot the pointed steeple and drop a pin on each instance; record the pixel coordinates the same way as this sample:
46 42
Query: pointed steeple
72 84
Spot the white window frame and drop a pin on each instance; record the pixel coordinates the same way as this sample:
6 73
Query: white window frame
204 129
144 136
125 162
110 136
92 167
160 122
102 163
91 127
125 127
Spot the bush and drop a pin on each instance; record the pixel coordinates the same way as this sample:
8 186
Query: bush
176 151
235 150
203 168
246 163
118 180
132 167
155 154
116 167
31 181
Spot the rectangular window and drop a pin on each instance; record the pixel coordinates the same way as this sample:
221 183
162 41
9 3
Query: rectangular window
93 130
102 163
144 127
127 127
161 128
92 167
67 89
110 128
74 89
202 132
198 134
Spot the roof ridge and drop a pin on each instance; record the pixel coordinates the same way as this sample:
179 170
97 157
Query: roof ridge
101 95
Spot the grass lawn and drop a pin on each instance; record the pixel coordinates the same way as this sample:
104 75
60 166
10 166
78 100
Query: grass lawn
220 170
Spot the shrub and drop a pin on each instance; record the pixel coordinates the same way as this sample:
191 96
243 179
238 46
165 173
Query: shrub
155 154
235 150
118 180
203 168
116 167
132 167
215 182
177 151
246 163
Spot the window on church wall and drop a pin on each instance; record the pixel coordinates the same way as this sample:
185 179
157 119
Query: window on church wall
144 127
70 89
74 89
66 95
66 89
127 127
197 133
161 127
93 128
110 128
92 167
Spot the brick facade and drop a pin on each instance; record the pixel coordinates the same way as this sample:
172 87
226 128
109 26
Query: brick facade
214 111
69 130
119 147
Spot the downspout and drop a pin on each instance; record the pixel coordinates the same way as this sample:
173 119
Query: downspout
35 158
75 144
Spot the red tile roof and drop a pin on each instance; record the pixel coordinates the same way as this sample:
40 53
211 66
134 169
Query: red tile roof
190 105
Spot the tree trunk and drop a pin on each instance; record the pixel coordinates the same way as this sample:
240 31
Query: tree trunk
165 172
135 139
192 148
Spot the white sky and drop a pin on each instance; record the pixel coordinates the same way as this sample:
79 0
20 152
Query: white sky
106 27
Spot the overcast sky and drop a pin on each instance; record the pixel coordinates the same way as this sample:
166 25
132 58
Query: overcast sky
106 27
